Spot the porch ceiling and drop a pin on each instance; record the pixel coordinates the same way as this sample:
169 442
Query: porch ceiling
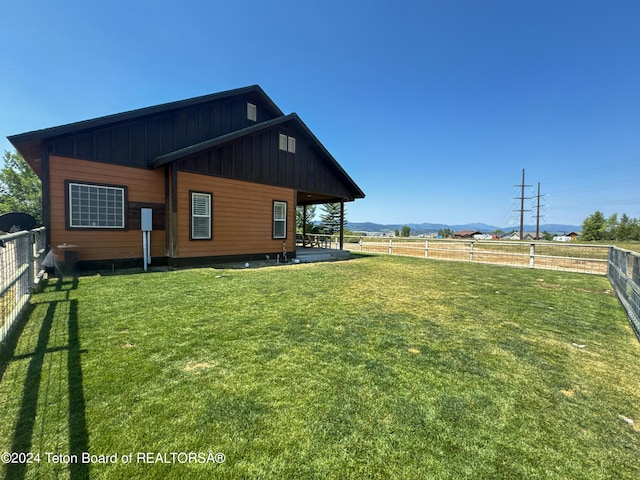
309 198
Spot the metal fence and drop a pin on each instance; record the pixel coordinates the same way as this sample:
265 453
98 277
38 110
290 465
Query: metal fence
21 256
624 275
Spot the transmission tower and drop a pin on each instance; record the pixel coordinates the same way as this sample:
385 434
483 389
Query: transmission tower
522 198
537 197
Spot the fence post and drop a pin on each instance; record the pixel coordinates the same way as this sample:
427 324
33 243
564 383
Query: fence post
532 254
471 252
390 246
360 242
426 248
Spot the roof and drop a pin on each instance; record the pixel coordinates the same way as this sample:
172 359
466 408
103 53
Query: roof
29 143
466 233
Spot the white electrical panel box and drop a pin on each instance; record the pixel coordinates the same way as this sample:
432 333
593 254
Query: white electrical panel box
146 224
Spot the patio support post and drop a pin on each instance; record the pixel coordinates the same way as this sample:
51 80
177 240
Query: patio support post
304 225
341 224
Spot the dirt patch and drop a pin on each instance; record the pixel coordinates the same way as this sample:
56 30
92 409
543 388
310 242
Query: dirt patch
191 366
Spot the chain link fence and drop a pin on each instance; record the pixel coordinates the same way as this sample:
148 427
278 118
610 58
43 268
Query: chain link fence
21 256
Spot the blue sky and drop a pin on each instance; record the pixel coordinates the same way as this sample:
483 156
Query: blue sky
433 107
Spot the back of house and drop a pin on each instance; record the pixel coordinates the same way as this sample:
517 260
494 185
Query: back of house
222 175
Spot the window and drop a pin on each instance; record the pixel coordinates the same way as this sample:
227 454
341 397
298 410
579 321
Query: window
288 144
96 206
279 219
200 216
252 112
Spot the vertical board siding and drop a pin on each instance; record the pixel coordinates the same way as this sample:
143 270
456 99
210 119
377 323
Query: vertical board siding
145 186
242 217
138 141
258 158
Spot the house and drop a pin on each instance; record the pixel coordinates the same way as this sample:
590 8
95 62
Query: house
483 236
573 235
516 236
222 175
466 234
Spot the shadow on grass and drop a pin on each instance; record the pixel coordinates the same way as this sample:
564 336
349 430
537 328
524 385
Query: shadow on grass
24 428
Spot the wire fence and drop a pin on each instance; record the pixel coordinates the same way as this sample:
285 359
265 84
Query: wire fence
624 275
21 256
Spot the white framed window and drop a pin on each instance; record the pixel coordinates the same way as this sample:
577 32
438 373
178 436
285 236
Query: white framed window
96 206
200 216
287 143
279 219
252 112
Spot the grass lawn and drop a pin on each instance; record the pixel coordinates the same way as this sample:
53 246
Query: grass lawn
377 367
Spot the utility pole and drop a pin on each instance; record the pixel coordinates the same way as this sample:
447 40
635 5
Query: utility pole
522 199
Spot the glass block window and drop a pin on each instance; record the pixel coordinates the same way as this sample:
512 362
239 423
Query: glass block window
96 206
200 216
279 219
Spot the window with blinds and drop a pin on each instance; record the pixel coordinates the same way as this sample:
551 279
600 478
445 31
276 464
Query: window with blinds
279 219
200 216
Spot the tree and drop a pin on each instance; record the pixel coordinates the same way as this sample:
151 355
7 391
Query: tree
406 231
311 214
623 229
330 218
611 227
594 227
20 188
445 233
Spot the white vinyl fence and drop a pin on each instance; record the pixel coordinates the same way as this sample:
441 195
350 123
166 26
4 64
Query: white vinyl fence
21 256
579 258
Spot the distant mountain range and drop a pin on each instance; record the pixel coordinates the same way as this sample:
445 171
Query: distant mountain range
421 228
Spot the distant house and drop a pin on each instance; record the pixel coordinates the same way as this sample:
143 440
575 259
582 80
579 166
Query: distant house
573 235
567 237
483 236
466 234
516 236
562 238
222 173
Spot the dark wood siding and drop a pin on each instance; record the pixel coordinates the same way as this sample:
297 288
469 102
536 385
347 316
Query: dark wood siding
258 158
136 142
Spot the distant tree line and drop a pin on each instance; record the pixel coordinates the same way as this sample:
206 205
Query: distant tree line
597 227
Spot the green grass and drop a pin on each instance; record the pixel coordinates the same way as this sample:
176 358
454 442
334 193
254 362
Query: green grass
378 367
